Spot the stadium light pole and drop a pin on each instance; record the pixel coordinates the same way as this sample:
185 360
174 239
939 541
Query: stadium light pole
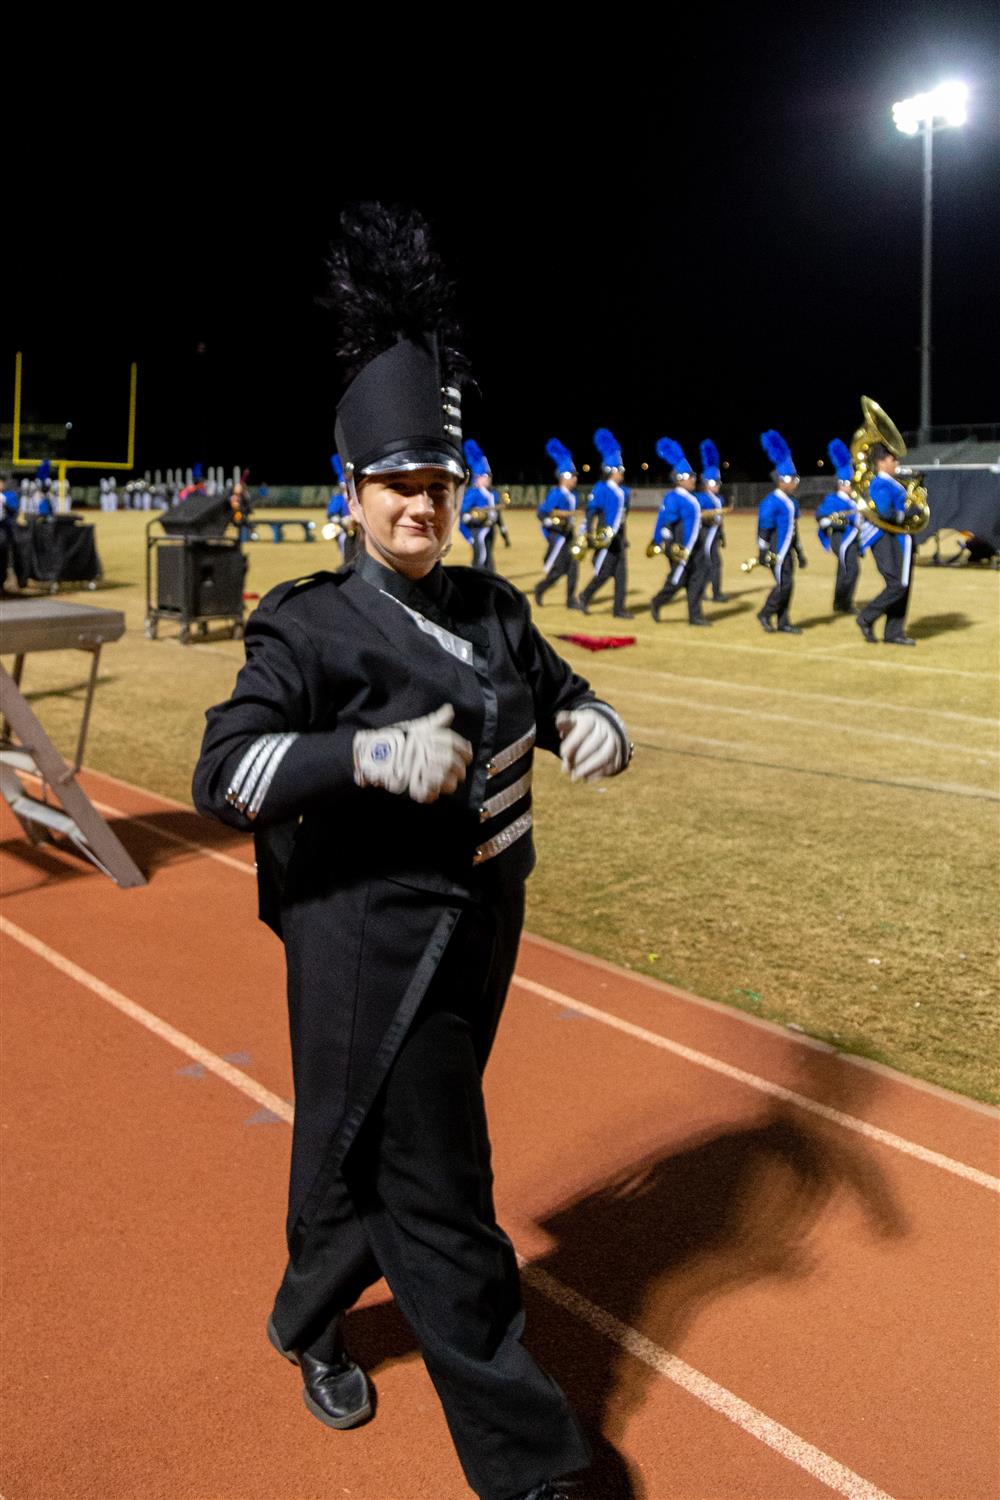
924 113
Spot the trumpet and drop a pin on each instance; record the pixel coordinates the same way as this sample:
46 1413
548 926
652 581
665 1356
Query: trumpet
839 518
480 515
765 560
673 550
334 529
560 520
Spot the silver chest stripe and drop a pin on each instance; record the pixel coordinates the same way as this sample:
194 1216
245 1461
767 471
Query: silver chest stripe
256 771
506 798
505 758
453 644
503 840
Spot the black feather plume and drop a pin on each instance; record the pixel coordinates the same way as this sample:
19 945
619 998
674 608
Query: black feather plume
388 283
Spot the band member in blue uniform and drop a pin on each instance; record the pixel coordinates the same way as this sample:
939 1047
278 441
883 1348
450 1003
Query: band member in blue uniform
556 514
712 506
777 533
893 552
607 507
680 514
480 509
379 744
839 523
338 515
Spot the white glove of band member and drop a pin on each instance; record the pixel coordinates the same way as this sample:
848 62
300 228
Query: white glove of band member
591 746
421 757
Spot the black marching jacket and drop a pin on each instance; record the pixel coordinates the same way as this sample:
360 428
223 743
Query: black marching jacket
365 886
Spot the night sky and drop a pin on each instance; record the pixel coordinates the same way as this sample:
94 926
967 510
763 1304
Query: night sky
700 235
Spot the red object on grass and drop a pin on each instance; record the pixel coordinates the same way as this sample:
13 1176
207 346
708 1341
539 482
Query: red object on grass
598 642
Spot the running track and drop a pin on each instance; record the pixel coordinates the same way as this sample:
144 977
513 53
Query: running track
761 1271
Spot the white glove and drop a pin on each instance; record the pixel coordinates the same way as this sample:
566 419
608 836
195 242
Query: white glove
591 746
421 757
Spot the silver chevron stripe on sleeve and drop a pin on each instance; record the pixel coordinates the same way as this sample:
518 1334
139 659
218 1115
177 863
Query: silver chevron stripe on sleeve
453 644
503 840
256 771
506 798
505 758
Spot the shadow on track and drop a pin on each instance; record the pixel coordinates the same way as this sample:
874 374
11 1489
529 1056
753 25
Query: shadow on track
158 839
667 1235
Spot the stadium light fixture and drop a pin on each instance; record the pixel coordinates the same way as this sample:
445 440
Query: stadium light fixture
945 106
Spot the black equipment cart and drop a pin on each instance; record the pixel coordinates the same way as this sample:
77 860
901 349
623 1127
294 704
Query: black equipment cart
198 572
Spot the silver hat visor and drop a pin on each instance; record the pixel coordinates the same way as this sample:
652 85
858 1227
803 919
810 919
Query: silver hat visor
415 458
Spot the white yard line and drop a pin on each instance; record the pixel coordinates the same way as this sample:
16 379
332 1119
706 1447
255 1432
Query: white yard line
876 705
822 726
904 783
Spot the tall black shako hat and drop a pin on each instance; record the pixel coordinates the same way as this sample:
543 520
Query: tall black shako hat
399 344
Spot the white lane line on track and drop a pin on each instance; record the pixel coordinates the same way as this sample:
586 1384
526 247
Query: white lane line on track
795 1449
824 726
154 1023
902 783
877 705
834 1475
762 1085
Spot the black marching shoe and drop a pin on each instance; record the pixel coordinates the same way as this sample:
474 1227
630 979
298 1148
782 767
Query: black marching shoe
700 621
580 604
866 631
765 623
900 640
336 1392
537 591
623 614
790 629
654 610
721 598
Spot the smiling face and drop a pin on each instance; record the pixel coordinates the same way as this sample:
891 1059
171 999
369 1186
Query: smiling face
407 518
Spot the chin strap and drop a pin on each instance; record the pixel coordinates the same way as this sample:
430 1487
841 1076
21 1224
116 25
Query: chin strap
390 558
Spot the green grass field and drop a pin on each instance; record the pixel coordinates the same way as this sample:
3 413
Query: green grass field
810 827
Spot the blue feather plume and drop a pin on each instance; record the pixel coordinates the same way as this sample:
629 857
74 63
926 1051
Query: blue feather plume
778 451
709 456
560 456
476 458
337 465
673 455
840 457
608 447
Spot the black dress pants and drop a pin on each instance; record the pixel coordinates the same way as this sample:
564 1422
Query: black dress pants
610 564
848 569
559 563
715 564
414 1203
780 597
894 559
693 577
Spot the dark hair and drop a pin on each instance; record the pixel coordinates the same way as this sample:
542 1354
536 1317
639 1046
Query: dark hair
878 451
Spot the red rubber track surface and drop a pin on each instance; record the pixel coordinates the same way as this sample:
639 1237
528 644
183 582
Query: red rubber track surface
743 1296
